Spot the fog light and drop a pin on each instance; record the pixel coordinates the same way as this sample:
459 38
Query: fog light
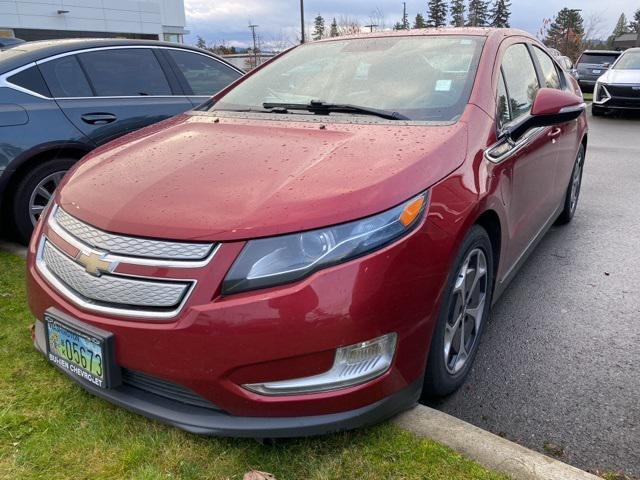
352 365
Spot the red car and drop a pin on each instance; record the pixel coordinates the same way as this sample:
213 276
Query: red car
320 243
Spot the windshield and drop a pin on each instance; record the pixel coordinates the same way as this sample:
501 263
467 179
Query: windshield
597 58
426 78
629 61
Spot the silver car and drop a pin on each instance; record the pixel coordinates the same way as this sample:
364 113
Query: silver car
619 87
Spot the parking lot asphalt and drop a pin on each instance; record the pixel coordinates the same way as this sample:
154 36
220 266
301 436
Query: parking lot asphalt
558 369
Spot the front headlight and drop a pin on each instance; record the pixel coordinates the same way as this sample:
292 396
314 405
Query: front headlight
273 261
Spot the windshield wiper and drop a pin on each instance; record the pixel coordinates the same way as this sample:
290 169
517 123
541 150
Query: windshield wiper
324 108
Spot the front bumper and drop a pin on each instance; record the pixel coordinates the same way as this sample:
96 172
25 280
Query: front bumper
217 344
206 421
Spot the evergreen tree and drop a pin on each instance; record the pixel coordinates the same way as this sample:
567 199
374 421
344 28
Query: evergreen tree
565 33
478 13
419 22
634 25
200 43
437 13
458 7
621 28
500 14
333 32
318 28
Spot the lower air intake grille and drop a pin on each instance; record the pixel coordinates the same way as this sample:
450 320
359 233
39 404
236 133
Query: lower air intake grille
165 389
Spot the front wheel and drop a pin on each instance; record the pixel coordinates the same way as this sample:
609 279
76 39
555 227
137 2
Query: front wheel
462 316
573 190
34 192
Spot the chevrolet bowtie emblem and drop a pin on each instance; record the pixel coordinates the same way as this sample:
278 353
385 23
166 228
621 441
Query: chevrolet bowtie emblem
93 263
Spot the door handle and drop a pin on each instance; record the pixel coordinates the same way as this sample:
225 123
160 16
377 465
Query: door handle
98 118
555 132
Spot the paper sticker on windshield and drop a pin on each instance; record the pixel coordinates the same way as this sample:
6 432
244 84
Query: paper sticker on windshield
443 85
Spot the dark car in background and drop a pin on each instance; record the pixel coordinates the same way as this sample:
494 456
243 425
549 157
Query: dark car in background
619 88
591 65
60 99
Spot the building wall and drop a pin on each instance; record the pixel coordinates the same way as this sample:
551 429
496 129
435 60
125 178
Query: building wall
51 18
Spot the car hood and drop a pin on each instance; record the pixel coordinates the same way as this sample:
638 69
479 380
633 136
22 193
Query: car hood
199 177
621 77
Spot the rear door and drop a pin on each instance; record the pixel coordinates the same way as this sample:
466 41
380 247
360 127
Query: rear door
564 137
200 75
108 92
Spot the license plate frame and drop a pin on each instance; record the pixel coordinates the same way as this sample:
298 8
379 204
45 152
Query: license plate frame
89 337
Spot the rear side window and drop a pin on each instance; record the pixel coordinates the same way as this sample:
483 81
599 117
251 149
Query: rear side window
65 78
520 78
549 71
204 75
32 80
124 72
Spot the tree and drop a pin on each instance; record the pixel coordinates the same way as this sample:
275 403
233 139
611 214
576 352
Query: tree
437 16
500 14
333 32
458 7
478 13
565 32
634 26
621 28
200 43
419 22
318 28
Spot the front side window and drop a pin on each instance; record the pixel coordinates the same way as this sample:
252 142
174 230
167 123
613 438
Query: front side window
204 75
520 78
628 61
551 77
124 72
426 78
65 78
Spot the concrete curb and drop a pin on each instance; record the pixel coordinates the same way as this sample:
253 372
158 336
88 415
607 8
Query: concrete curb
14 248
489 450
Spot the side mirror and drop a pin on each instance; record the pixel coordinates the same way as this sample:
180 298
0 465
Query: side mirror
550 107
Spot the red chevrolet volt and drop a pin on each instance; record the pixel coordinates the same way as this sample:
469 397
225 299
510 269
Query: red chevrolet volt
320 243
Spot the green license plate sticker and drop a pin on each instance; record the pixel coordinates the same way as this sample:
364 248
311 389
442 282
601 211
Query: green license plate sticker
77 352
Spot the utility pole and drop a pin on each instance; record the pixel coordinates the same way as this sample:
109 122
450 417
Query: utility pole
302 20
404 16
255 45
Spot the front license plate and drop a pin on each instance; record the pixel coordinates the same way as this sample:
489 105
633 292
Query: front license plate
81 351
595 72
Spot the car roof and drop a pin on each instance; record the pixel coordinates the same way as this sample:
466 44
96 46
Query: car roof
602 52
29 52
467 31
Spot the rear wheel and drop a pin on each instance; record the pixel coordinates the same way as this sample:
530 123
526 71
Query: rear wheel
462 316
573 190
34 192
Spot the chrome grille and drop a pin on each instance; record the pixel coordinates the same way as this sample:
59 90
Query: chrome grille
131 246
112 289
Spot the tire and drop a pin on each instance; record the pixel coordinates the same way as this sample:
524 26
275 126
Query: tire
572 196
446 368
27 193
597 111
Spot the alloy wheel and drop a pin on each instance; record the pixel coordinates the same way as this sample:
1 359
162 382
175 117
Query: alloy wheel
42 194
466 312
576 181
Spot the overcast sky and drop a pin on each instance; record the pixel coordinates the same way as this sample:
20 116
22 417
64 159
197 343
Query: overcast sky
279 20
